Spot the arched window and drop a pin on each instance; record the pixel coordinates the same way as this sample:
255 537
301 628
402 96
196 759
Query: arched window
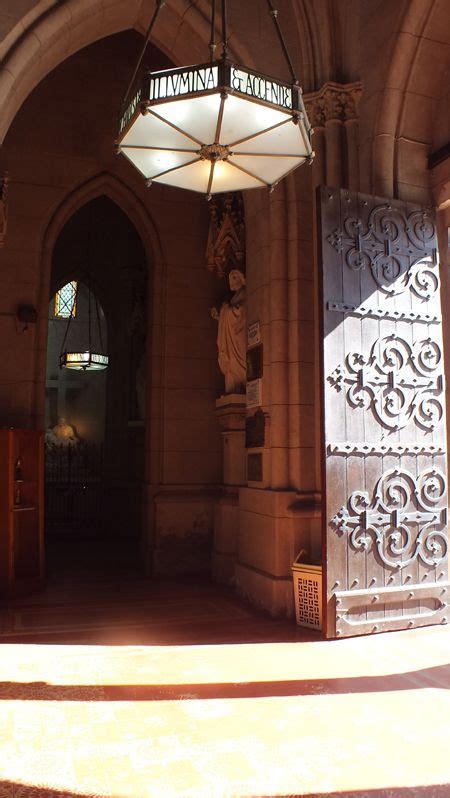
66 301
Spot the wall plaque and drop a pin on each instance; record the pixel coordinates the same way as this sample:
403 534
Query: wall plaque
253 334
254 363
254 467
254 393
255 430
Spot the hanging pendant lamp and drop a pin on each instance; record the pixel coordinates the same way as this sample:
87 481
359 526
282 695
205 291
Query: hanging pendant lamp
83 361
85 358
215 127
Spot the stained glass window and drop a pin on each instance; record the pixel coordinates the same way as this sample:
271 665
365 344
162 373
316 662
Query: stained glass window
66 301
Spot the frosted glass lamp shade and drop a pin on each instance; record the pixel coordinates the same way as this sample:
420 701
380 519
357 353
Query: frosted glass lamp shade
83 361
215 128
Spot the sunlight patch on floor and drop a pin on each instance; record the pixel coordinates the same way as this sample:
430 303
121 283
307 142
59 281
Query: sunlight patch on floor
93 664
324 737
266 746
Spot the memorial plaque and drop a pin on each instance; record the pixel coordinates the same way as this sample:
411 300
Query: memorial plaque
253 334
255 430
254 393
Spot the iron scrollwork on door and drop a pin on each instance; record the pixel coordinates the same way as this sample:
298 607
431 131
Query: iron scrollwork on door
398 250
405 520
398 381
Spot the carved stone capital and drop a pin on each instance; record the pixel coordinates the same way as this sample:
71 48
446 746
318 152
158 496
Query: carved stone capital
333 102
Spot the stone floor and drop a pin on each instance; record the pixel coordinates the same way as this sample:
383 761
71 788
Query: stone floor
111 685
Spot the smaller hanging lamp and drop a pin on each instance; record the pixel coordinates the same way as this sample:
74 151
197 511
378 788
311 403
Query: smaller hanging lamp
217 126
87 360
83 361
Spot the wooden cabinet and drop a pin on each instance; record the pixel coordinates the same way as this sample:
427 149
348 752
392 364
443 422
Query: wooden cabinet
21 510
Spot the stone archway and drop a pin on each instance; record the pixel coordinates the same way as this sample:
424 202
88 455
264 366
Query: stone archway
401 100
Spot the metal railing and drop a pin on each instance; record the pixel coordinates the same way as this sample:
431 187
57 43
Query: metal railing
74 489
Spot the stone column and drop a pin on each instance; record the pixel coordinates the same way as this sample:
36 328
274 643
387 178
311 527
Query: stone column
352 137
230 413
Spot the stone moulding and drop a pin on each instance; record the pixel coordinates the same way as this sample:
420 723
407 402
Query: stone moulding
333 102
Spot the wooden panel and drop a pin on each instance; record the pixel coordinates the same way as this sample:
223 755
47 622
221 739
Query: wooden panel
21 510
422 605
385 498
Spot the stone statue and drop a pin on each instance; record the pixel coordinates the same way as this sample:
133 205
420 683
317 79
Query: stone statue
232 335
62 434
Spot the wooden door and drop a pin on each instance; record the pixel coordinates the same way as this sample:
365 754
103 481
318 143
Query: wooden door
385 476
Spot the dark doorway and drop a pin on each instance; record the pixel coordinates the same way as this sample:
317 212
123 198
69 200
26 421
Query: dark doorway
95 420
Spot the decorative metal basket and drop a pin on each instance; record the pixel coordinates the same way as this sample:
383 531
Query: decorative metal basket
307 594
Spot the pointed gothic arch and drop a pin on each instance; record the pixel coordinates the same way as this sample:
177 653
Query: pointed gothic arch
111 187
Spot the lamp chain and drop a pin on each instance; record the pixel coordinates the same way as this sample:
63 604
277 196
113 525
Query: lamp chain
89 320
212 42
62 350
159 5
99 325
224 29
274 14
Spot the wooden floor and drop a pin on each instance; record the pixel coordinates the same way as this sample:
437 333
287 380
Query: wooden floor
112 685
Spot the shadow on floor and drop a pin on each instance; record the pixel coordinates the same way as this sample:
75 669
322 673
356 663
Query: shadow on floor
42 691
425 791
9 789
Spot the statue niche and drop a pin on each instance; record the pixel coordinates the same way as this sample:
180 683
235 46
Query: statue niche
232 334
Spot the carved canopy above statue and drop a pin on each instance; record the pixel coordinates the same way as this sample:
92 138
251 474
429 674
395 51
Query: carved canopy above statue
226 240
